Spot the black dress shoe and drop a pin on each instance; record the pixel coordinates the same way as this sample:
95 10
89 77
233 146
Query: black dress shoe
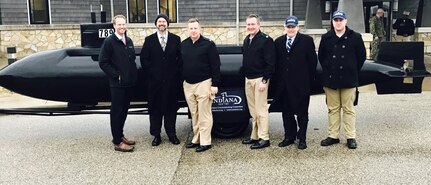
192 145
202 148
249 141
329 141
351 144
302 145
261 144
174 140
156 141
286 142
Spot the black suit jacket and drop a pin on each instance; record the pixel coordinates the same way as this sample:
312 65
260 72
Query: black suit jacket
294 72
162 71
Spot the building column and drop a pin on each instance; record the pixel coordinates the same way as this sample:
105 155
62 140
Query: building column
355 14
313 15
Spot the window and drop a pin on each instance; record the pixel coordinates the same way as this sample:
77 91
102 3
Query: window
169 7
39 11
137 11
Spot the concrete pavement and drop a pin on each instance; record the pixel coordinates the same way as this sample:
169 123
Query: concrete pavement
393 148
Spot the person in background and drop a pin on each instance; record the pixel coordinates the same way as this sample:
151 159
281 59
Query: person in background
161 61
117 60
377 29
405 27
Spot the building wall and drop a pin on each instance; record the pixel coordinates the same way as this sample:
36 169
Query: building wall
14 12
29 39
152 10
207 10
73 11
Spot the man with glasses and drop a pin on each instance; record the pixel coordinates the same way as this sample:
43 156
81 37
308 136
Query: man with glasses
294 74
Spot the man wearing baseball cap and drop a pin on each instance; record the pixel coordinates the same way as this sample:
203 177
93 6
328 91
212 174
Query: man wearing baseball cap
161 61
294 74
341 55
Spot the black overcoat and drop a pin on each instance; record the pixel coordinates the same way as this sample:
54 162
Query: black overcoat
294 73
341 59
162 72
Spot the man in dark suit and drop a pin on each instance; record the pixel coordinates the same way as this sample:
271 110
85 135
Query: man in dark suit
117 60
161 61
295 70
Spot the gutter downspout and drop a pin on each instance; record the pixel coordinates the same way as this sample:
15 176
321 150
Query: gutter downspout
112 9
291 8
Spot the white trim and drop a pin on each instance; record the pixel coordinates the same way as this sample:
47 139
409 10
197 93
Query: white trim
28 12
146 11
291 8
49 11
127 11
158 7
112 10
178 17
237 23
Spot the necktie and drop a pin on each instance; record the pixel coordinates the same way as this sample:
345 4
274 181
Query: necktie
124 41
289 44
163 43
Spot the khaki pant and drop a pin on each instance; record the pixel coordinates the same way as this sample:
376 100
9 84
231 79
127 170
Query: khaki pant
403 39
199 100
258 105
341 99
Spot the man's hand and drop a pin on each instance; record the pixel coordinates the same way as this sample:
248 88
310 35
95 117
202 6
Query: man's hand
213 90
262 86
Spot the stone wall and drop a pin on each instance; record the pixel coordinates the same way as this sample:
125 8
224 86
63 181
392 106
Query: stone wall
29 39
424 34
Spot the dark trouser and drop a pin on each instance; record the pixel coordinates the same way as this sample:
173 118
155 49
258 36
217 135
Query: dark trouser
156 117
120 98
291 125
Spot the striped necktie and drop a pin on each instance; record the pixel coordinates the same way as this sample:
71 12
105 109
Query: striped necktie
163 43
289 44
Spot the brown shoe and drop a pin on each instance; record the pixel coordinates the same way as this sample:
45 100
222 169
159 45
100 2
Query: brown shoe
124 140
123 147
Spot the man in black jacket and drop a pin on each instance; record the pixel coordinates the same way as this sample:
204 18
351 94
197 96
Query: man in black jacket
341 55
258 65
161 62
117 60
201 73
294 74
405 27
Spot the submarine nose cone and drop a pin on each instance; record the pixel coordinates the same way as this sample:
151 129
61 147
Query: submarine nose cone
4 78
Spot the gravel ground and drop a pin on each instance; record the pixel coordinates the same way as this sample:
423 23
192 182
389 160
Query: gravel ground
393 148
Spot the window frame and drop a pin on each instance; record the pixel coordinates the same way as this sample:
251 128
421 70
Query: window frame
176 9
30 3
129 11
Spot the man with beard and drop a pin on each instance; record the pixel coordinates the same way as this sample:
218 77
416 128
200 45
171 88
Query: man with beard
341 55
294 74
161 61
258 65
117 60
